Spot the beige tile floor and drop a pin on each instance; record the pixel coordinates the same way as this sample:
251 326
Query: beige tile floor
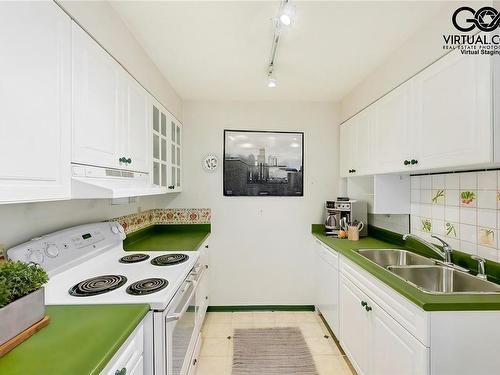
217 352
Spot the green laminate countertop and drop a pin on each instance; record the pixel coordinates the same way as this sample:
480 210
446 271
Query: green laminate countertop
79 340
175 237
426 301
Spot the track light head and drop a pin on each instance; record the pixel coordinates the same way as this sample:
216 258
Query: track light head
272 83
285 19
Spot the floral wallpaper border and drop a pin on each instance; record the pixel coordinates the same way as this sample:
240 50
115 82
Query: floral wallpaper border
137 221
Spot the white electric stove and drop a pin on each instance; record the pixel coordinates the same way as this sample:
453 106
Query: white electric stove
87 265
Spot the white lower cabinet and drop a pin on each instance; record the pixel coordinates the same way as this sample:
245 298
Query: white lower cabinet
408 355
354 326
374 341
327 296
130 358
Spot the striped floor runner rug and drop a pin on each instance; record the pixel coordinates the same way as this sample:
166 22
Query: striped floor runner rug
271 351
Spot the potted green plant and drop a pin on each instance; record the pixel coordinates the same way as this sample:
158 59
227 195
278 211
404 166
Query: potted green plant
22 301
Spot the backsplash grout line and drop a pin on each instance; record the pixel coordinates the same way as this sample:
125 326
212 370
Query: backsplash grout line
464 207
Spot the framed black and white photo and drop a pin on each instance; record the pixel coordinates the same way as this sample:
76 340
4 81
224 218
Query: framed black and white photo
263 163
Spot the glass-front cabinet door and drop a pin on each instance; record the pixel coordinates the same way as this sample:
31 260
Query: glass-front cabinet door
175 155
159 149
166 150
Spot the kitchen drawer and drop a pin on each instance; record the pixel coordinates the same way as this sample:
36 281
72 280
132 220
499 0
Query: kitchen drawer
411 317
328 255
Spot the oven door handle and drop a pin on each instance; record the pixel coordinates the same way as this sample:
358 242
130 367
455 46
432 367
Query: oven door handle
177 316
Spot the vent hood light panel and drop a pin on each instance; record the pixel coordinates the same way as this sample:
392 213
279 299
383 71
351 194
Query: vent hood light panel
95 182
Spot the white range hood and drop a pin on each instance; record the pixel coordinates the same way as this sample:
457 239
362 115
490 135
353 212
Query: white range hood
89 182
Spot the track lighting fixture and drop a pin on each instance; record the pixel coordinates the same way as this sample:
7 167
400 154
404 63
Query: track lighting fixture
283 18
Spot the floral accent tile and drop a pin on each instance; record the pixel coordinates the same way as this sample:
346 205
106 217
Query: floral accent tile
137 221
438 197
464 207
486 237
451 229
468 198
426 225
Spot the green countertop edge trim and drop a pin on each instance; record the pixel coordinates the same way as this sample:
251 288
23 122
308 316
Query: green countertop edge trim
260 308
429 302
17 361
118 344
174 229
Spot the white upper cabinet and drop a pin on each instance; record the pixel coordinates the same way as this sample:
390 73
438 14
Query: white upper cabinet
454 112
347 144
97 111
160 141
136 143
394 134
111 110
356 145
363 156
440 118
167 149
175 181
35 97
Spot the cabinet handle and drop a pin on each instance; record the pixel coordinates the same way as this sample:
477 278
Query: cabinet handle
413 161
352 170
171 187
364 304
368 308
122 160
123 371
406 162
206 246
129 160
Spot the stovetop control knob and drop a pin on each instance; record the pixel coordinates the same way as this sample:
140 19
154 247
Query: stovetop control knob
35 256
52 251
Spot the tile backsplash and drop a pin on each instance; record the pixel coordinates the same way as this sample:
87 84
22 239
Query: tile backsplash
463 208
394 223
137 221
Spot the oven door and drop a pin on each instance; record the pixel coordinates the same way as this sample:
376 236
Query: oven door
180 326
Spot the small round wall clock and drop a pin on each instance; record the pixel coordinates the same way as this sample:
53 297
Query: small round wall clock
210 162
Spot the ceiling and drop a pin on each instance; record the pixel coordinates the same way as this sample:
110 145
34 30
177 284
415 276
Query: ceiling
219 50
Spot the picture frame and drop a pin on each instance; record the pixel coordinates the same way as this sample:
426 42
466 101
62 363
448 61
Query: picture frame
260 163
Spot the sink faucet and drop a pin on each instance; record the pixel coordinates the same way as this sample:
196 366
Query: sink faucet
445 253
481 272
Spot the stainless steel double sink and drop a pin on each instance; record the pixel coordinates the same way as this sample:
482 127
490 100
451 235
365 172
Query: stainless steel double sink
429 275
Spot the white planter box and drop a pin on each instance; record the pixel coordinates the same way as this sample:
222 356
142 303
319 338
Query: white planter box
21 314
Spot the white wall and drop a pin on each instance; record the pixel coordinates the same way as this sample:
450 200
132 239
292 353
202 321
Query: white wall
260 247
100 20
20 222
